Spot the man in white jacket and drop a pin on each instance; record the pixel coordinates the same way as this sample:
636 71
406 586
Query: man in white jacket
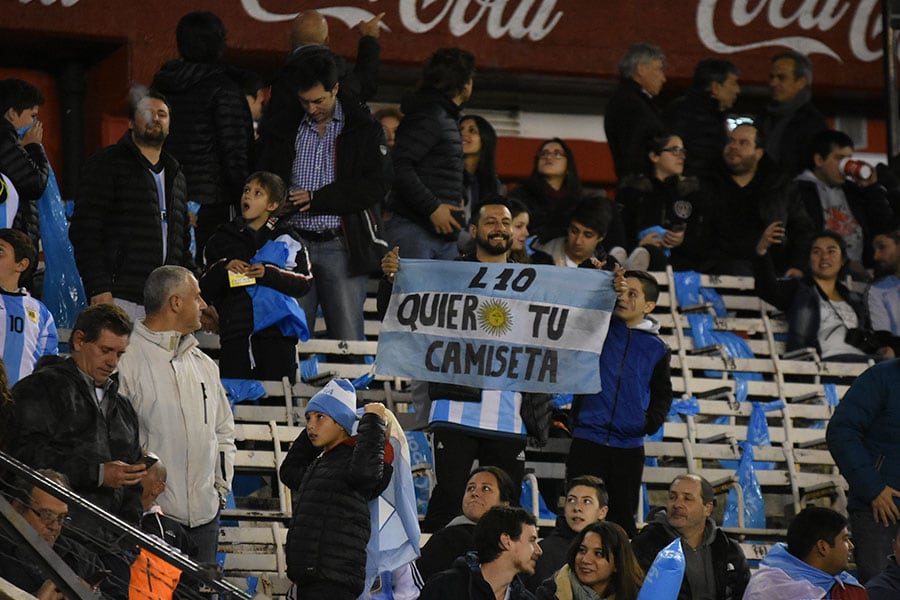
183 412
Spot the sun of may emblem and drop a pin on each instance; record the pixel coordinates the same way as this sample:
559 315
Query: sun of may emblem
494 317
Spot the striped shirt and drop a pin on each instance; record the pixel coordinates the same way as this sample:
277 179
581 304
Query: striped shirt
314 166
26 334
498 411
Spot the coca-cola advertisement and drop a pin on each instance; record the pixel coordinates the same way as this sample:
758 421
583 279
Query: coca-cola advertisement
581 38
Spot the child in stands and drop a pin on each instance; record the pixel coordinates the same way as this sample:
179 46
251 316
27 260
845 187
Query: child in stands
27 329
335 475
267 354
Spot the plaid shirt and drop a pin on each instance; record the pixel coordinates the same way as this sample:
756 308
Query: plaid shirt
314 167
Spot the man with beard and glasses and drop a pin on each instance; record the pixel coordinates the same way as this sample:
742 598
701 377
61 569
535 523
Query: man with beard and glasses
469 423
131 211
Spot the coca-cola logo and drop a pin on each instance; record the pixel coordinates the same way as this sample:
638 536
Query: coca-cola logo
813 16
517 19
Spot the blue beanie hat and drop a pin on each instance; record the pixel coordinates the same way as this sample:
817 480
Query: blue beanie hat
338 401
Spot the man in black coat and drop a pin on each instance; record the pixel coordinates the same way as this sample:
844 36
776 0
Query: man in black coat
212 129
131 211
790 120
715 566
698 117
428 161
750 194
631 116
335 158
70 417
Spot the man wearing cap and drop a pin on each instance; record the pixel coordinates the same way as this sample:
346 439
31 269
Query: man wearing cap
340 473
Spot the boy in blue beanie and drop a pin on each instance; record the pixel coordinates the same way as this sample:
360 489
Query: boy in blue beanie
334 474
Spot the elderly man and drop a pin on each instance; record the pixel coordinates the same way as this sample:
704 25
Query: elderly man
790 119
184 414
631 116
46 514
507 546
715 566
69 416
812 564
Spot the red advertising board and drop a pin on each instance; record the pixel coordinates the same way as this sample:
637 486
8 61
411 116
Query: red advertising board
555 37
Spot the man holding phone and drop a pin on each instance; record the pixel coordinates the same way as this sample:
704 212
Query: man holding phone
754 197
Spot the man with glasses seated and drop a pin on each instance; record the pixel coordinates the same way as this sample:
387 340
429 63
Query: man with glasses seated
48 516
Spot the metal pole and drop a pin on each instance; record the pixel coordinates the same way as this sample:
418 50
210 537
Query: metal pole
892 98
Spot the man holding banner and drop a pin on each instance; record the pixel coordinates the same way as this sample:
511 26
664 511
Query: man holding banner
495 339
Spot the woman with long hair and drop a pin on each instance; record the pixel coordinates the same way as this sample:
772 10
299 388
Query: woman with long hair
600 564
521 219
552 191
479 142
822 312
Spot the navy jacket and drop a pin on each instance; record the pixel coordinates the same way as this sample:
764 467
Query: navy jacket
862 434
637 389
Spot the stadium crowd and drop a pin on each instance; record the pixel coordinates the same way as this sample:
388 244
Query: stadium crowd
303 201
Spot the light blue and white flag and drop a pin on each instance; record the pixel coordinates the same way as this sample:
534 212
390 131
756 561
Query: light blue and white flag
502 326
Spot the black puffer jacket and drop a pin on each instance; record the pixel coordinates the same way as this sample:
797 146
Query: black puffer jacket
116 227
362 177
236 240
330 529
57 424
427 156
211 129
27 168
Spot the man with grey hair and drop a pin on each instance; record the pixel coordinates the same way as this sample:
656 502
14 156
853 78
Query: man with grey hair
183 412
790 120
631 116
715 566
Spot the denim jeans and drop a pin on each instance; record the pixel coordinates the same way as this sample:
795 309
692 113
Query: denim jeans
872 544
341 296
417 242
206 537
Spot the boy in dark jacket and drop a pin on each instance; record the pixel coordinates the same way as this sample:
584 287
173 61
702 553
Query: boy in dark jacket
608 437
334 475
246 353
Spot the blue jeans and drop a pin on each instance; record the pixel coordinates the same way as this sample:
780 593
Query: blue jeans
206 537
417 242
341 296
872 544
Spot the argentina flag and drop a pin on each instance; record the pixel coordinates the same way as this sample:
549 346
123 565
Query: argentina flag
502 326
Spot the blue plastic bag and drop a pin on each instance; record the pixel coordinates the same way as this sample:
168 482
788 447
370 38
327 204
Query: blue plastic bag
754 509
63 292
664 577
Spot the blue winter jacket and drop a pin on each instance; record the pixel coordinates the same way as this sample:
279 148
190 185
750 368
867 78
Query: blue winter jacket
863 434
637 388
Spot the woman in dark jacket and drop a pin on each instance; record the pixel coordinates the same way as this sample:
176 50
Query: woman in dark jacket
552 191
822 312
601 561
663 198
479 142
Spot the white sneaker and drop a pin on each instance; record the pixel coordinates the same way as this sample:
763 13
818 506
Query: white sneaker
619 254
639 260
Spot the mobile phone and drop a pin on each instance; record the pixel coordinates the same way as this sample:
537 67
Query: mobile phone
149 460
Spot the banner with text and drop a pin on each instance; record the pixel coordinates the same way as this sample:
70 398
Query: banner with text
528 328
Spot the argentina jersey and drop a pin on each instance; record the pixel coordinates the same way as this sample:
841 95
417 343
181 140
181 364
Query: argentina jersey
9 202
28 333
498 411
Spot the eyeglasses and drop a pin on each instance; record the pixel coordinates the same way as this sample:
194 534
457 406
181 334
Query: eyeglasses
552 154
50 518
676 150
